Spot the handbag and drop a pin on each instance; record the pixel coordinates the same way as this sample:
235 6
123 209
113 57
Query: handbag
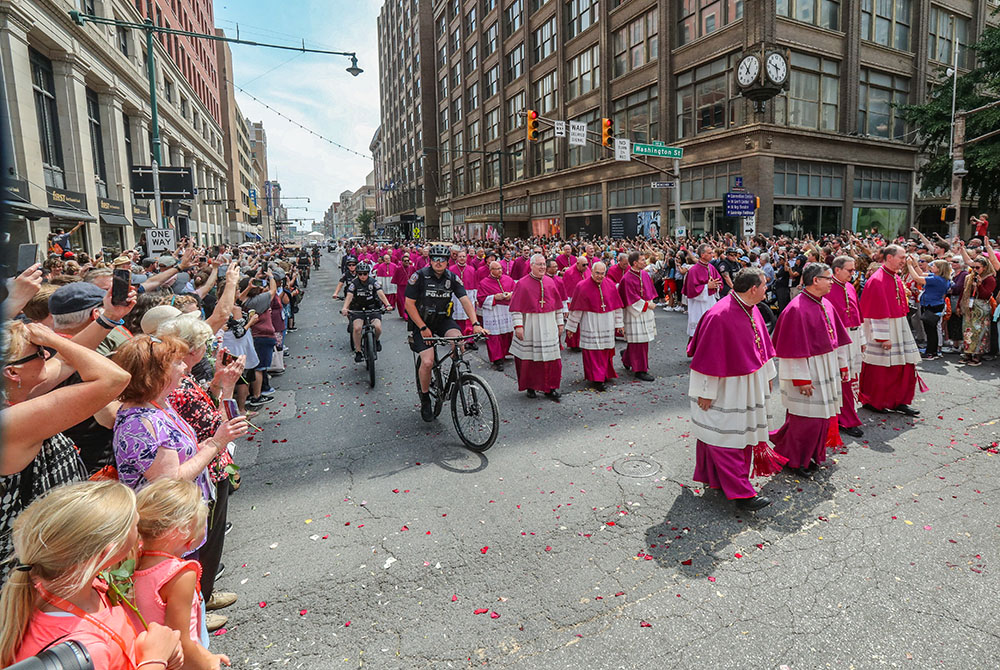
277 361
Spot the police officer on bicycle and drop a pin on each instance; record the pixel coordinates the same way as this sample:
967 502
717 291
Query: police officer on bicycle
364 294
350 272
429 295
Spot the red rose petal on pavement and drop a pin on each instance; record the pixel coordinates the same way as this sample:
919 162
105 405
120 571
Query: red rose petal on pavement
687 562
395 490
738 555
484 550
221 631
303 612
620 593
547 548
645 624
262 604
403 528
347 625
454 599
609 523
494 615
711 579
481 610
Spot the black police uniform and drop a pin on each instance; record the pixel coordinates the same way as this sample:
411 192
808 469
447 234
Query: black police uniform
365 294
732 267
433 296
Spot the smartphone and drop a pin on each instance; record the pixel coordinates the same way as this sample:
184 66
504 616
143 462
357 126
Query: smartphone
119 286
231 408
27 255
226 357
263 283
202 259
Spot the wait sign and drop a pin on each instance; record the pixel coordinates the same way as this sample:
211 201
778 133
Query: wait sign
160 240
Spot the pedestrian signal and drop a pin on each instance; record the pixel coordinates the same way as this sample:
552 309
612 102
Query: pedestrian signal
949 214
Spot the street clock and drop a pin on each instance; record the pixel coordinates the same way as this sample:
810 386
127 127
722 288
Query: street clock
777 68
748 70
762 73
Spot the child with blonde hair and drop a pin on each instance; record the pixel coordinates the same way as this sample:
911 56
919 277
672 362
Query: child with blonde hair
172 516
52 594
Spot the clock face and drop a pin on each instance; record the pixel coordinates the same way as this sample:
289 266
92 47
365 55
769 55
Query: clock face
777 69
748 70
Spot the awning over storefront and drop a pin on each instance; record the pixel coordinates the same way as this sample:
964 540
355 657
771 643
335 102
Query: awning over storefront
25 209
143 221
252 236
115 220
71 214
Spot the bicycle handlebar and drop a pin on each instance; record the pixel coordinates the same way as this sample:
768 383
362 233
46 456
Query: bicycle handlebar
459 338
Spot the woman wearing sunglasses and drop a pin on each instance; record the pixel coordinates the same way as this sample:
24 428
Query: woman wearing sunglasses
36 456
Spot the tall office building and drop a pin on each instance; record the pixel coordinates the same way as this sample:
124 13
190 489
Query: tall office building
409 121
831 152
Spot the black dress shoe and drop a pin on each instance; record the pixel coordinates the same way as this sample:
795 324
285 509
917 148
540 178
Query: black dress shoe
531 393
553 395
753 504
870 408
644 376
498 365
853 431
907 410
598 386
803 472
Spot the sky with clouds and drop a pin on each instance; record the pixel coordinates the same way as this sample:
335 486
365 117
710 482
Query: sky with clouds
313 89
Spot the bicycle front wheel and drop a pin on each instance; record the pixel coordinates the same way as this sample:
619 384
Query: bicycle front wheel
475 413
369 346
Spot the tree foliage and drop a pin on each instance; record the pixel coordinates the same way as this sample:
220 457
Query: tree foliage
365 218
932 120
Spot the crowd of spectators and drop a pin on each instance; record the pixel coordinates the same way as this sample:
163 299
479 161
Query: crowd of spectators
124 377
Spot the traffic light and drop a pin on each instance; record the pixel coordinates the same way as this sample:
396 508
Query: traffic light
607 133
532 124
949 214
758 203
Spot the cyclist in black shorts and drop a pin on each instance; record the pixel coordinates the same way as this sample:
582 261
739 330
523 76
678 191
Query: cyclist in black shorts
350 265
364 293
429 295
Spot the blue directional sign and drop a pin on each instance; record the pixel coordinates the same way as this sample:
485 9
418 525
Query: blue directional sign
740 204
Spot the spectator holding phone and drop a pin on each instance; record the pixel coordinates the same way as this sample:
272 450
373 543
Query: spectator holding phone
262 290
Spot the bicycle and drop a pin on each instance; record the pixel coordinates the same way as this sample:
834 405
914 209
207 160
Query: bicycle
369 345
474 408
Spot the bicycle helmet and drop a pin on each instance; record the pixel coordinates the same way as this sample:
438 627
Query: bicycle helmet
350 259
439 251
364 268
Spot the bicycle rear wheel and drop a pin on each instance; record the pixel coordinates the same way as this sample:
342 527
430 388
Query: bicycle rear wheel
475 413
369 348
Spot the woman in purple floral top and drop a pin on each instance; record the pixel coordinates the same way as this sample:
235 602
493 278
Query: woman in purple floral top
151 440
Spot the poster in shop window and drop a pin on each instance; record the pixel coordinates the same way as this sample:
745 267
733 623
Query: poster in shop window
635 224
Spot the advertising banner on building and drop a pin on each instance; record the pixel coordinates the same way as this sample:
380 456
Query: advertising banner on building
635 224
545 227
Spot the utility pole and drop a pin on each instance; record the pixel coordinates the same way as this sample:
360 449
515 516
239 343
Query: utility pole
958 171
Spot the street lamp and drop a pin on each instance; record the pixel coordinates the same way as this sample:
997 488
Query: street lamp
354 70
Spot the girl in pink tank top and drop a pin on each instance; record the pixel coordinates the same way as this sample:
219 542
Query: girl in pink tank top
172 518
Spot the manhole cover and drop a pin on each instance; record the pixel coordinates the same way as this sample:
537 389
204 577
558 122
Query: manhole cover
636 466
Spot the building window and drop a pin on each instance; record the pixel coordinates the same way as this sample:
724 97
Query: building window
636 44
475 176
127 130
544 153
709 182
489 6
443 120
490 39
881 185
474 138
168 90
472 95
513 17
887 22
491 177
580 15
471 23
456 43
703 17
456 74
441 26
544 93
879 97
44 88
517 164
706 99
543 41
814 90
443 87
637 116
492 85
631 192
803 179
945 28
443 56
492 124
515 105
589 152
547 203
472 58
583 73
97 142
515 63
459 181
459 142
122 36
822 13
583 199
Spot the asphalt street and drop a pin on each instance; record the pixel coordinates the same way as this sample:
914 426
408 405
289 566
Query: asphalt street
364 537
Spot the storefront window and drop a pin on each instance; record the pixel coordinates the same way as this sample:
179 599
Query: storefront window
800 220
889 221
